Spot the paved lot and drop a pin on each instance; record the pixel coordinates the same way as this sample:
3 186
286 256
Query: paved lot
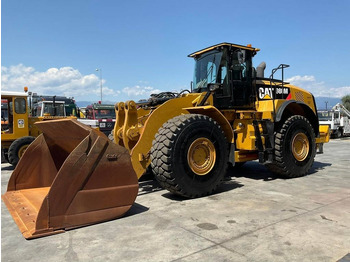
253 217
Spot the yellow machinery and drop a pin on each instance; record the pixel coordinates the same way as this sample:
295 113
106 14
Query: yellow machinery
233 114
20 130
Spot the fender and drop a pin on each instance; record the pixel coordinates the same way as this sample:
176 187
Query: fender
215 114
140 157
297 107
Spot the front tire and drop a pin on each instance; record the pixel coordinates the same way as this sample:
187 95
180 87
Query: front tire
189 155
295 148
17 149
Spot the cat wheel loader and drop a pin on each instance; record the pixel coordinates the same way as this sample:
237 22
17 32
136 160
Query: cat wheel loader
71 175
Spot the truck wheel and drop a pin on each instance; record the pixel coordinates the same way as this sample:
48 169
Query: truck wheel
190 155
295 148
17 149
338 133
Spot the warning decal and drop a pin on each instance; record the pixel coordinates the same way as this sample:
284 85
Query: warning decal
20 123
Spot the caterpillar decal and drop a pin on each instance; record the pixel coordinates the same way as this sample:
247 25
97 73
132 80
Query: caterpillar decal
265 92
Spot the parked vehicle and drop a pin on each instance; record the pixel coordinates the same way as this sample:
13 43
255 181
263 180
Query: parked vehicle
17 128
338 120
104 113
69 102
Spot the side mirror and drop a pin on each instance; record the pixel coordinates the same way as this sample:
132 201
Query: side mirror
212 87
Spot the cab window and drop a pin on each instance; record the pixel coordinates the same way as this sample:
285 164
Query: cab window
20 105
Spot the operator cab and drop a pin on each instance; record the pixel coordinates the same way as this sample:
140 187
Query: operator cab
229 66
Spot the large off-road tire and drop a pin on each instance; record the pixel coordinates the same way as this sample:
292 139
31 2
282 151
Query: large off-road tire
17 149
295 148
190 155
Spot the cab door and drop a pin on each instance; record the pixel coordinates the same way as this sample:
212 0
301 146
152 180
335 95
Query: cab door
17 118
241 78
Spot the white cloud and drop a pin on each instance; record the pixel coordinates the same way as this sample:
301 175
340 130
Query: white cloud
318 88
138 91
65 81
301 79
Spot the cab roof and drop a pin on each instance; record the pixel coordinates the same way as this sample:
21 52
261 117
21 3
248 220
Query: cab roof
248 47
13 93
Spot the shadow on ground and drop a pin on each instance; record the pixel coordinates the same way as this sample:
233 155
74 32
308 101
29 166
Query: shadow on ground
6 168
135 210
318 166
149 186
252 170
257 171
227 185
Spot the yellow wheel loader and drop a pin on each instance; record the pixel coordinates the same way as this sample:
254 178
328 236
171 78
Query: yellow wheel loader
71 175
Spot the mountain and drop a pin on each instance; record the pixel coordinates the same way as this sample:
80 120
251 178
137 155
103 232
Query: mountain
330 101
320 102
86 103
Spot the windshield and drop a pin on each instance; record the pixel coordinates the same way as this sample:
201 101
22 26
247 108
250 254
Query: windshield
105 113
48 109
324 115
207 71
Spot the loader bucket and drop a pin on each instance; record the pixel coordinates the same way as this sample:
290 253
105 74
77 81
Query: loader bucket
70 176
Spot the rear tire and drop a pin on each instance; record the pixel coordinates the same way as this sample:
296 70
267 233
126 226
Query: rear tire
17 149
189 155
295 148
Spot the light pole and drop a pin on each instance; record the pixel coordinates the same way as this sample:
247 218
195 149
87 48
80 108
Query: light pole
100 70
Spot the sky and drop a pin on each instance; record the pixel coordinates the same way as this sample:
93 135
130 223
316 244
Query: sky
140 47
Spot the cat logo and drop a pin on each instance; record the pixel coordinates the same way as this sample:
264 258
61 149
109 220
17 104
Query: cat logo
265 93
279 92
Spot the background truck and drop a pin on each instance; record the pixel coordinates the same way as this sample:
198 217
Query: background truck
4 114
48 108
233 114
17 127
104 114
70 107
338 120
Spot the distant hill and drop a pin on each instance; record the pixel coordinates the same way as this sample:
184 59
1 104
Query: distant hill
83 103
86 103
320 102
331 101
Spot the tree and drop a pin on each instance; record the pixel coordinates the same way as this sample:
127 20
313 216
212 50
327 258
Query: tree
346 101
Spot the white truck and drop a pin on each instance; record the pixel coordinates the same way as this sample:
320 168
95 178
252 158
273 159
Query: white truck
338 120
57 108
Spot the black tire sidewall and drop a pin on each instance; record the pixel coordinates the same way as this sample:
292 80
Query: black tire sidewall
298 126
16 146
181 170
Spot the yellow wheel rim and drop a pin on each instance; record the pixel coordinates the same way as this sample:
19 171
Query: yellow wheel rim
22 150
201 156
300 146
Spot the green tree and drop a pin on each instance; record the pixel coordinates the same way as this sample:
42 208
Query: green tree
346 101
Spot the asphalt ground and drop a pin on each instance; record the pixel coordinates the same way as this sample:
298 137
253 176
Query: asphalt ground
254 216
